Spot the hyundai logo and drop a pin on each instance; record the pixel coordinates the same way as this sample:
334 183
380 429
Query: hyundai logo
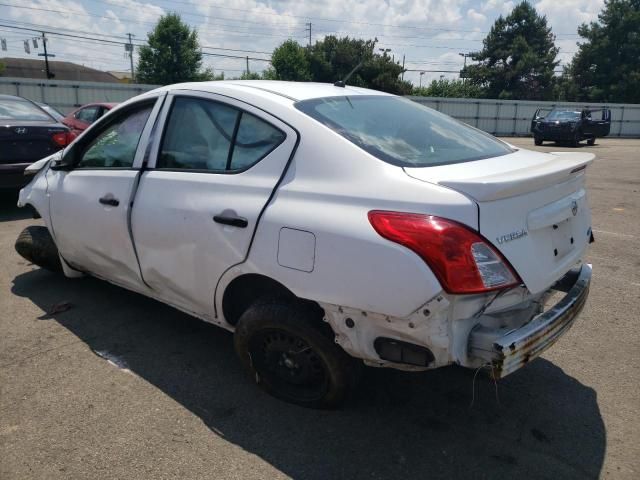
574 208
21 130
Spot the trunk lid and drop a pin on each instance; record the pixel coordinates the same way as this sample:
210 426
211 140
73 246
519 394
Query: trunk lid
26 142
532 207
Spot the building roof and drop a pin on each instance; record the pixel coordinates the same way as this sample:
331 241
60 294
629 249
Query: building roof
31 68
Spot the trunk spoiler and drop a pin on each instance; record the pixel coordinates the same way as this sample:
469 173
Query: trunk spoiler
533 171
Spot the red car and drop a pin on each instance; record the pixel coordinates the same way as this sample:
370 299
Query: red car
80 119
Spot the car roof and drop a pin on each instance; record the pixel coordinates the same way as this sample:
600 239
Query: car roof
99 104
294 91
13 97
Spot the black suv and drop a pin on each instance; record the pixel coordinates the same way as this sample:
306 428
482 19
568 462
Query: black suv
570 125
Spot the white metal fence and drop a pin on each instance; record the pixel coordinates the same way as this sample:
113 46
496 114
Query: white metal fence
513 117
66 95
499 117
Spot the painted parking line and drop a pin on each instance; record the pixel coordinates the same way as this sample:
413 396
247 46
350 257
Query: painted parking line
614 233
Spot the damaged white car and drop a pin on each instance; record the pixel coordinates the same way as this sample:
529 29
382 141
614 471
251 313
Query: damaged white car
325 225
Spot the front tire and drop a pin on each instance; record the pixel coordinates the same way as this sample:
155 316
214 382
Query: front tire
292 355
36 245
537 141
575 141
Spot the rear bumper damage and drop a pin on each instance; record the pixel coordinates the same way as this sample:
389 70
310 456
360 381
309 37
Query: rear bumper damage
509 350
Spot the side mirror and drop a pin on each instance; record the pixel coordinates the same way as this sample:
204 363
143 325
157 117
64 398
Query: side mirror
66 161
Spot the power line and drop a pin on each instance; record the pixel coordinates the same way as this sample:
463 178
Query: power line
114 42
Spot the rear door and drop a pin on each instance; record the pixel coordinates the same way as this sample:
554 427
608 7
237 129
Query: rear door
601 122
212 171
90 205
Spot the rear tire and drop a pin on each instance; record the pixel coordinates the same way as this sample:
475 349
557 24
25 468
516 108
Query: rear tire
36 245
292 355
537 141
591 141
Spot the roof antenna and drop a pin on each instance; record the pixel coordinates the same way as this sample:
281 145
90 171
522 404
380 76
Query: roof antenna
342 83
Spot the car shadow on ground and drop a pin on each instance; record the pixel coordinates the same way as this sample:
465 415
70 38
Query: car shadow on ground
398 425
9 211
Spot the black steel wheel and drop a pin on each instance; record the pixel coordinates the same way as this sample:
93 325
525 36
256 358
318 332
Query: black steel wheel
36 245
291 354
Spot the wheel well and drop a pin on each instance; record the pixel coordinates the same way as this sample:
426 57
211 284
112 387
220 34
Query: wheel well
33 210
246 289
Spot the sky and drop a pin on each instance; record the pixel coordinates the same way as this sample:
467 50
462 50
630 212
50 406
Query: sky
429 34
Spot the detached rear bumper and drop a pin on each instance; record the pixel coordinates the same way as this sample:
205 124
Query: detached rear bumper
509 351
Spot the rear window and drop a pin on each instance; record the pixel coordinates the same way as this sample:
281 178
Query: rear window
11 109
402 132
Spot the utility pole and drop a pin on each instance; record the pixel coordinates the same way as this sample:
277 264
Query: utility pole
247 65
402 76
464 69
129 48
46 56
308 27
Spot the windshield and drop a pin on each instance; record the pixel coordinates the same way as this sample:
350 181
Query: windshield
563 115
402 132
11 109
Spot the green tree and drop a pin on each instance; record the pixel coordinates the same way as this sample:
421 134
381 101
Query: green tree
172 54
449 88
518 57
606 67
250 76
332 59
290 62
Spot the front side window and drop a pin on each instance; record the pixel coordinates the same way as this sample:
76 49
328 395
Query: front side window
402 132
211 136
87 115
115 147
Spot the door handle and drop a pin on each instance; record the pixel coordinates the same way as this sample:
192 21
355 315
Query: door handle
234 221
114 202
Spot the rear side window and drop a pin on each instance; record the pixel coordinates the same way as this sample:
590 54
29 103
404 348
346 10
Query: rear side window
210 136
402 132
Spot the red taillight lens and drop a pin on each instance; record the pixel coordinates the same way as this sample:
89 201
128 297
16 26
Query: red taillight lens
62 139
461 259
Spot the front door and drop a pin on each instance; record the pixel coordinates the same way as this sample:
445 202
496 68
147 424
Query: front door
90 204
211 173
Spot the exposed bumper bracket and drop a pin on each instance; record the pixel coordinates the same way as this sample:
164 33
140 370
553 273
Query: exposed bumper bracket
509 350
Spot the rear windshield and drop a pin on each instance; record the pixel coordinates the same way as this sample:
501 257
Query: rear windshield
11 109
402 132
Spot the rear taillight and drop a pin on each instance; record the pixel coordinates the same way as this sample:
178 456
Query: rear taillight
62 139
461 259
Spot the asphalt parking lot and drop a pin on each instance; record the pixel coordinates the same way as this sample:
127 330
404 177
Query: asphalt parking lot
121 386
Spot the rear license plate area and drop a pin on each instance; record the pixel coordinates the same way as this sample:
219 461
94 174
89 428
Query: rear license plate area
563 238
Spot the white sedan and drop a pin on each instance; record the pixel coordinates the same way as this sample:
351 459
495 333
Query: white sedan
325 225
